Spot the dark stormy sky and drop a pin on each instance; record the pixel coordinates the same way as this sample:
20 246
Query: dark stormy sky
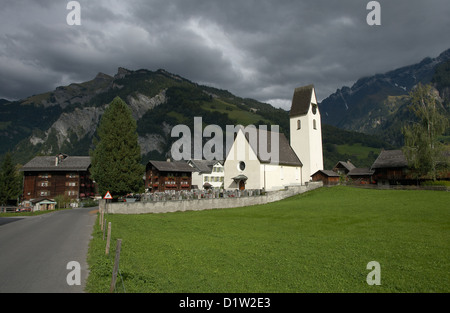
260 49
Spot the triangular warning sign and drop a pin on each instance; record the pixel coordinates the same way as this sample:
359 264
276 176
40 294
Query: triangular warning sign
108 196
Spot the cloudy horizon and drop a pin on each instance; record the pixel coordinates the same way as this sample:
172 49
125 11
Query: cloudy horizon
256 49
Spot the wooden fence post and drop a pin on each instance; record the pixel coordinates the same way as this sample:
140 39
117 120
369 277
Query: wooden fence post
108 239
116 266
104 221
102 214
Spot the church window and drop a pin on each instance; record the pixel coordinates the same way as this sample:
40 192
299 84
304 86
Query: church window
299 124
314 124
241 166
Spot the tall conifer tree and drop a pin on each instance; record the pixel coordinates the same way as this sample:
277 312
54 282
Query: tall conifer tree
116 159
9 180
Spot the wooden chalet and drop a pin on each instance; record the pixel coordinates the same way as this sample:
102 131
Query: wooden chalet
326 176
361 175
50 176
168 175
343 168
390 168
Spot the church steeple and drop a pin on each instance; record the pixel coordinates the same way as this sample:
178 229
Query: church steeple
306 130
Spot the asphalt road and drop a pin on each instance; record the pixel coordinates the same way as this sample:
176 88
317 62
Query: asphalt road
35 251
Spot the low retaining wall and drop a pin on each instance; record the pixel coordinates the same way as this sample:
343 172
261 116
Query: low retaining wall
204 204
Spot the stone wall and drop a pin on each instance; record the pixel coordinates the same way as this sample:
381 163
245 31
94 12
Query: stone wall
204 204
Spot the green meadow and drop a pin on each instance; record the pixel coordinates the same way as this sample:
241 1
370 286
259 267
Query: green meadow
317 242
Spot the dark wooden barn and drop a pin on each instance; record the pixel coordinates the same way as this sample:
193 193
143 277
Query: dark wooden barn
326 176
391 168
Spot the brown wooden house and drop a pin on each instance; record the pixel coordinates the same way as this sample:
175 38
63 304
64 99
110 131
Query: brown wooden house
168 175
326 176
391 168
343 168
50 176
361 175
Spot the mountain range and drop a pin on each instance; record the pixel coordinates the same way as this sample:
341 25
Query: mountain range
379 104
65 120
356 120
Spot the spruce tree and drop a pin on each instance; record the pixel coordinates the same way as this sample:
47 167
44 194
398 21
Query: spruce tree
9 180
116 159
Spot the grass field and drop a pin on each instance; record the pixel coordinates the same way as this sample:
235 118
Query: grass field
320 241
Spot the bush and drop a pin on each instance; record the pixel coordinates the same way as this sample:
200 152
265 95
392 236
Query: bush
88 203
445 183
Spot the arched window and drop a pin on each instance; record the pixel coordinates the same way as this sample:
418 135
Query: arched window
314 124
299 124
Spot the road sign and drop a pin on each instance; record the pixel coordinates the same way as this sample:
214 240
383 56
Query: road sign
108 196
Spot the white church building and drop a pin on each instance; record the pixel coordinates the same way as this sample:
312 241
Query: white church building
246 168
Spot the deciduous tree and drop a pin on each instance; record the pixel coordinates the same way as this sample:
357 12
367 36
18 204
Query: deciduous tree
423 149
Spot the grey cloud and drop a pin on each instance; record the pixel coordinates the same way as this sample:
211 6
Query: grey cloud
255 48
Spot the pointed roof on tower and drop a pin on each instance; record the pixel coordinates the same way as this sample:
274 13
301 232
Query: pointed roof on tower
301 100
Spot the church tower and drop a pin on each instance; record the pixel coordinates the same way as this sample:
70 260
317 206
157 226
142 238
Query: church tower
306 130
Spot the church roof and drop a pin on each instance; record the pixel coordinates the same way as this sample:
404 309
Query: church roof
286 155
301 100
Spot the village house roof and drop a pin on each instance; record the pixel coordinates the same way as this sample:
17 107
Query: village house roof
43 200
347 165
361 172
53 163
390 159
301 100
286 155
172 166
327 173
204 166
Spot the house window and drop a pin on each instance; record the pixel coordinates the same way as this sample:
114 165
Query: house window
71 184
45 193
44 184
71 175
44 175
314 124
299 124
206 178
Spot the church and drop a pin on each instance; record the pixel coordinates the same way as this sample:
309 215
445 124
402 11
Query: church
297 159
